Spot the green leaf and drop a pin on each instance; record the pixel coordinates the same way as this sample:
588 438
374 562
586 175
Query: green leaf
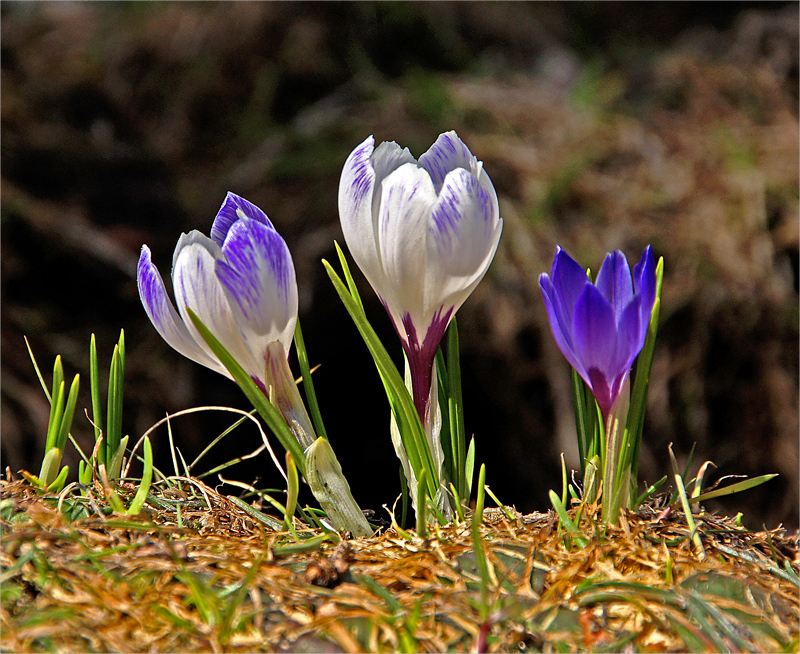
147 477
566 521
733 488
94 383
292 491
69 413
266 410
456 410
56 414
403 409
308 382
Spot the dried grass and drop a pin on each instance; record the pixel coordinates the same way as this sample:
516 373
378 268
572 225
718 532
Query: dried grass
225 582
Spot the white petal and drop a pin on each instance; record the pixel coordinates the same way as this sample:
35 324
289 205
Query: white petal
165 319
196 286
258 275
408 197
448 153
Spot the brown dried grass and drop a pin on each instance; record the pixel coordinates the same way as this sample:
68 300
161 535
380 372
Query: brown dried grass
225 582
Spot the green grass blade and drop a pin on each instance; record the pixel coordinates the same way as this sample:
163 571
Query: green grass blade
411 431
266 410
422 505
94 383
56 414
733 488
308 382
456 409
566 521
69 413
477 541
38 371
351 285
292 491
469 469
147 477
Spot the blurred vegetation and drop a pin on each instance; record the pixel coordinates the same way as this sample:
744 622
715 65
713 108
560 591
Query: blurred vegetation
602 125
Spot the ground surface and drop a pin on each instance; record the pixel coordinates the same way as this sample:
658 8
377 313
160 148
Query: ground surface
196 573
602 125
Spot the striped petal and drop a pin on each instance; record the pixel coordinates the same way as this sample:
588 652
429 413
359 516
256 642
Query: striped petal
165 319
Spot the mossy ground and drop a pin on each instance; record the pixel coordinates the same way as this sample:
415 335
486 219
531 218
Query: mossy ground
194 572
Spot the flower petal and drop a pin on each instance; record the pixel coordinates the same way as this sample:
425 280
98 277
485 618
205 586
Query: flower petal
408 196
644 280
165 319
258 274
233 209
197 287
615 283
569 280
445 155
594 332
560 323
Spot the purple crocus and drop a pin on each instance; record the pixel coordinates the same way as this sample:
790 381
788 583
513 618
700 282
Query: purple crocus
423 233
241 284
600 327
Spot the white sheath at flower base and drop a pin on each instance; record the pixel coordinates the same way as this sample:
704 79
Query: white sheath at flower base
327 481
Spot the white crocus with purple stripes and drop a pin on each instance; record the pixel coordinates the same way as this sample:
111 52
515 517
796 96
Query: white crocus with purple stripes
424 234
241 284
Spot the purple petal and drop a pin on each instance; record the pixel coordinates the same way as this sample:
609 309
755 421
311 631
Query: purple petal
233 209
165 318
644 278
595 332
448 153
560 322
630 335
569 280
258 274
462 223
615 283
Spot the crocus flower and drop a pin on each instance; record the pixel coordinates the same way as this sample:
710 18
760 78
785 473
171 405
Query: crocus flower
241 283
600 327
423 233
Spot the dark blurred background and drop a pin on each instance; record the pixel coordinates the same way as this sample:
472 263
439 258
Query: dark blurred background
602 125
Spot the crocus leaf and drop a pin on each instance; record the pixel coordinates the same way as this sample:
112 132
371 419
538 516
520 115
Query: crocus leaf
265 409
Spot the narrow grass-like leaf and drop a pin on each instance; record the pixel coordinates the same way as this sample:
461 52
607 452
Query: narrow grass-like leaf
38 371
308 382
456 409
410 427
94 383
687 510
69 413
263 518
644 363
56 413
116 382
292 491
733 488
147 477
477 541
649 492
115 466
422 505
266 410
58 483
566 521
469 469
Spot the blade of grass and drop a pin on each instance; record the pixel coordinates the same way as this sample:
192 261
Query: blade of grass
410 427
94 383
308 382
147 477
264 407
